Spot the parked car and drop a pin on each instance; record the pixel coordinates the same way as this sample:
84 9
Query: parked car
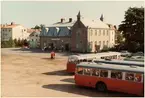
125 53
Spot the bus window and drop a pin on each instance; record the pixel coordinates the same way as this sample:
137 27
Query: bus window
80 70
138 77
81 61
87 71
95 72
116 74
89 60
104 73
84 60
129 76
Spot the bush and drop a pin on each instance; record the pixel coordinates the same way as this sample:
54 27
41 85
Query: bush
105 49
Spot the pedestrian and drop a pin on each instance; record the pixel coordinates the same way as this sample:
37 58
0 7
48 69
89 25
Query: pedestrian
52 55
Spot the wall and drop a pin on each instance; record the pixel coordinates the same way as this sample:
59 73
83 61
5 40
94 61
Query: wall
6 34
97 35
34 40
20 32
58 41
79 37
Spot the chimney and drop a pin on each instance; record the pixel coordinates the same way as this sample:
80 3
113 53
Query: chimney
70 19
12 23
62 20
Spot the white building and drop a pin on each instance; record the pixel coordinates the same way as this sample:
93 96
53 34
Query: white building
34 39
89 34
13 31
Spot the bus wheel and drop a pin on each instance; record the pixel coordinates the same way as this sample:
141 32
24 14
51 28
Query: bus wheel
101 87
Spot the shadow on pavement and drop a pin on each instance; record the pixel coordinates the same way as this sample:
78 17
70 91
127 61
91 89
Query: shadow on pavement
70 80
72 88
59 73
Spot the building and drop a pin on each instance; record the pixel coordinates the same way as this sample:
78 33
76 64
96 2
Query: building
82 35
57 35
91 35
13 31
34 39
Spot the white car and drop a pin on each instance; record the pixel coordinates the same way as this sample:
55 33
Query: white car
125 53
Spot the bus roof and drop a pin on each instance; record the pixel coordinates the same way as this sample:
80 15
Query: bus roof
94 55
120 62
135 58
112 67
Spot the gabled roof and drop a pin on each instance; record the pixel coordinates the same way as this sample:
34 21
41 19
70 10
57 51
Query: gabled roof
94 23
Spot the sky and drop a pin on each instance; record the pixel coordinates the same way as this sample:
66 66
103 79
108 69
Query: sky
31 13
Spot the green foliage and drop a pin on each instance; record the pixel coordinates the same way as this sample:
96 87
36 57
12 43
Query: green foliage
37 27
119 38
13 43
7 44
133 28
105 49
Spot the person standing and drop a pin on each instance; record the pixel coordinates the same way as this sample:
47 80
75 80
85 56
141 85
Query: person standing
52 55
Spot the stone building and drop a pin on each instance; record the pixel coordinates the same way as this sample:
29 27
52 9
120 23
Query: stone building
57 35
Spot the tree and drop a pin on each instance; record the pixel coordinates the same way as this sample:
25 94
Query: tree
37 27
120 38
11 43
19 42
133 27
16 42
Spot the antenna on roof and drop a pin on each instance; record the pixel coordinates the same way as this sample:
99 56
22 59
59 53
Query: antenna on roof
102 18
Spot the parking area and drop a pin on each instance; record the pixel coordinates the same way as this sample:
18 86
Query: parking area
31 73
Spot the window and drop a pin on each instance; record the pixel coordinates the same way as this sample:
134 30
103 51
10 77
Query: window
129 76
9 30
95 42
3 29
116 74
107 43
107 32
103 32
91 32
95 72
32 39
87 71
104 73
80 70
36 35
100 43
96 32
103 43
99 32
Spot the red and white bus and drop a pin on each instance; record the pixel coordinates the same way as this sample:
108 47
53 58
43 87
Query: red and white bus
103 77
119 62
76 59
